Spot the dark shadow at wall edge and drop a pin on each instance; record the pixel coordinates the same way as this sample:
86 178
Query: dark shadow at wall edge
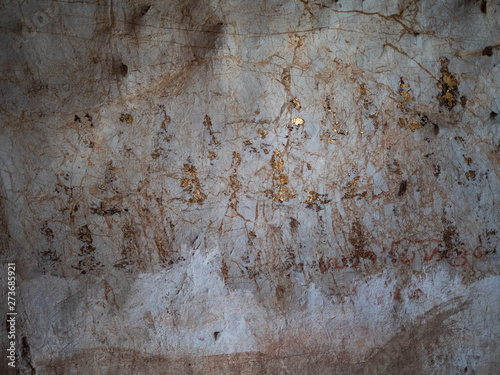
4 254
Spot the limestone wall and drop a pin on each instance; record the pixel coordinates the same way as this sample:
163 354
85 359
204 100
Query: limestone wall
251 187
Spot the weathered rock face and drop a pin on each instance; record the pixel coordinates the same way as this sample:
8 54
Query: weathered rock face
250 187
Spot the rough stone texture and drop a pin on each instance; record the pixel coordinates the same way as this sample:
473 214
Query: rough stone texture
252 187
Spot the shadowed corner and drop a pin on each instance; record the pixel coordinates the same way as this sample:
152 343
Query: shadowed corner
407 351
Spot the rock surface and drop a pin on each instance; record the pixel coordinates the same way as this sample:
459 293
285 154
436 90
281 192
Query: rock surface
251 187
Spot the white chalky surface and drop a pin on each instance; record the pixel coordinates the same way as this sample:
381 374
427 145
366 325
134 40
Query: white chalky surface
251 187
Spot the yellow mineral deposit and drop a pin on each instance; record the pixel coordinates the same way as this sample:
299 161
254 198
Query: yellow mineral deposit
296 103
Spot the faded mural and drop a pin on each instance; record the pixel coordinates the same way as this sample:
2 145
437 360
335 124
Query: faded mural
251 187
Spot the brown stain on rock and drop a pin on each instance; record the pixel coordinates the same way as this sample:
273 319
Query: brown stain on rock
470 175
208 124
351 189
402 188
406 352
87 259
282 192
47 231
224 270
448 84
315 200
453 246
437 170
125 361
126 118
294 224
359 242
192 185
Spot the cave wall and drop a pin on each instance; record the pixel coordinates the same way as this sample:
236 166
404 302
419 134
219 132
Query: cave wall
251 187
